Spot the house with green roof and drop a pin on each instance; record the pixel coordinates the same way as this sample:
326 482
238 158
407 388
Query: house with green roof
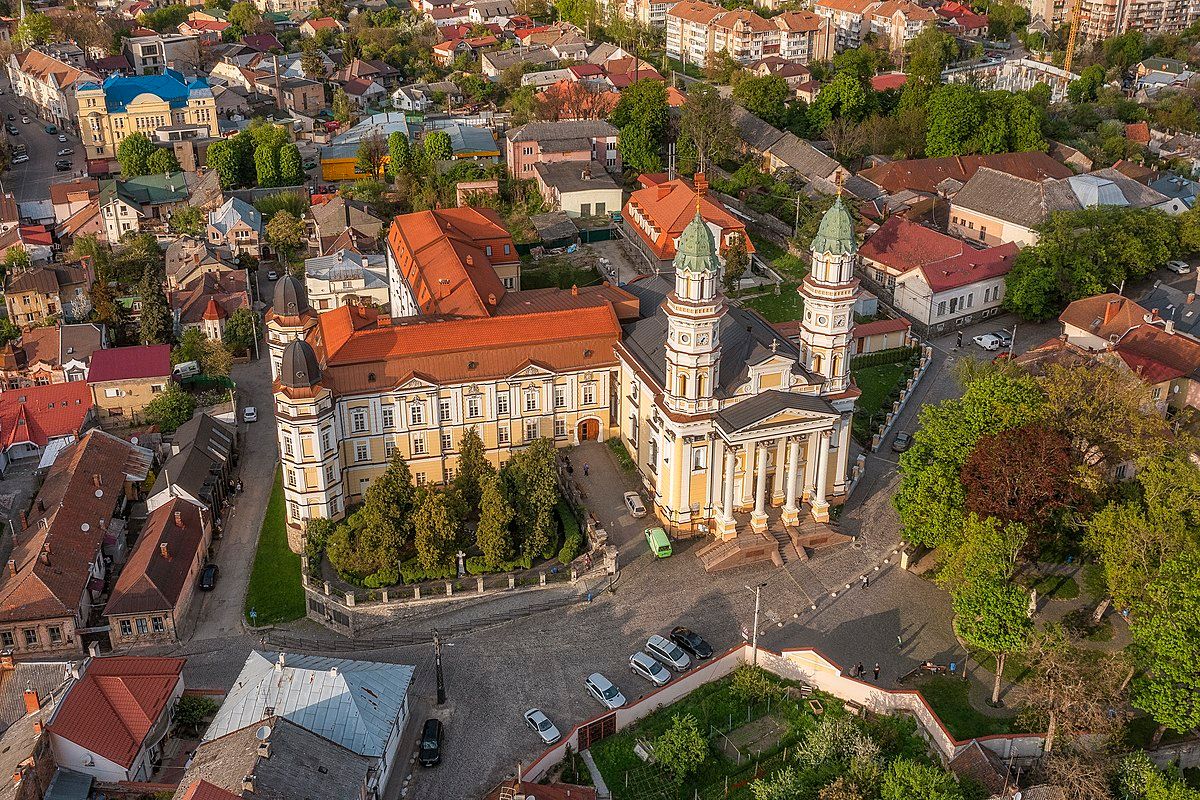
133 204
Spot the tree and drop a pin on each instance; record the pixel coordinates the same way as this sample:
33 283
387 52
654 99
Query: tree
1083 773
34 29
641 119
438 146
681 748
1165 626
165 19
266 165
955 114
1083 89
388 511
844 96
222 157
285 232
905 779
134 155
155 319
161 162
170 408
186 221
341 105
398 153
736 262
310 60
16 258
216 360
986 553
372 150
786 784
104 305
707 121
1025 125
928 54
638 151
766 98
435 529
473 468
241 329
190 347
993 616
532 484
192 710
1139 779
291 166
493 534
243 17
8 331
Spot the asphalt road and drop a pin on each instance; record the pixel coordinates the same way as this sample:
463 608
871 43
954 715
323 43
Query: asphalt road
31 180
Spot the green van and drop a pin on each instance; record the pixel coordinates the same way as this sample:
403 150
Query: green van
660 545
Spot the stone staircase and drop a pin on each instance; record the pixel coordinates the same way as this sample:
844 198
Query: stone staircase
781 544
747 547
779 532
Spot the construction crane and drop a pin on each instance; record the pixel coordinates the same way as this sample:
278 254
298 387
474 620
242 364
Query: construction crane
1076 10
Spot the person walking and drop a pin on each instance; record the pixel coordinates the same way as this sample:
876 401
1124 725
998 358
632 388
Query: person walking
959 342
877 670
586 468
866 582
861 669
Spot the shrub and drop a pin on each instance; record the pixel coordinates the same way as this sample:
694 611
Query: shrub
572 536
478 565
386 576
751 684
624 460
411 571
681 749
895 355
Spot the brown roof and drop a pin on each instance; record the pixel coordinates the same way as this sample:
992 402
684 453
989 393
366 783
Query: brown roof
49 69
1104 315
154 580
46 280
225 288
980 765
694 11
924 174
74 190
1156 355
743 19
798 21
670 206
852 6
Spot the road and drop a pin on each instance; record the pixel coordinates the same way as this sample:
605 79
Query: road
31 180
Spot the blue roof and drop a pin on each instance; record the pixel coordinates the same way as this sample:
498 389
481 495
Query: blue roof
171 86
469 139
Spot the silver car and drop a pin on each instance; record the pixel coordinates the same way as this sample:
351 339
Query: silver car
646 667
633 501
602 689
542 726
668 653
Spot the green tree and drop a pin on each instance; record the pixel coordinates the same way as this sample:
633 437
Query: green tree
438 146
638 150
532 484
291 166
372 150
8 331
928 54
707 121
955 114
341 105
161 162
473 468
186 221
641 119
905 779
104 305
285 232
766 98
398 153
190 347
788 783
192 710
493 534
310 59
16 258
34 29
388 511
244 17
681 748
222 157
993 616
170 408
241 329
266 165
216 361
1084 88
1025 125
155 317
846 96
1139 779
737 260
435 529
134 153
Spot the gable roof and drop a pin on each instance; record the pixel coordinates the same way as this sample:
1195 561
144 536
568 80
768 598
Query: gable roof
38 414
669 206
49 69
545 132
1156 355
151 581
130 363
233 211
114 705
1104 315
924 174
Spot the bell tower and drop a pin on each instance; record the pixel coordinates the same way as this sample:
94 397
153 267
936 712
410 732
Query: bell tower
694 311
829 291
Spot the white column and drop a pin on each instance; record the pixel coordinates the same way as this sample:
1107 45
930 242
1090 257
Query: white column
730 471
790 510
748 463
810 463
820 506
842 474
777 485
683 500
758 520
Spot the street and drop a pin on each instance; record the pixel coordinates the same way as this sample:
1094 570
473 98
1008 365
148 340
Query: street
31 180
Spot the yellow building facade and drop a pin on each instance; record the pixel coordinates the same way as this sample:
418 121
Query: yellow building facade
144 104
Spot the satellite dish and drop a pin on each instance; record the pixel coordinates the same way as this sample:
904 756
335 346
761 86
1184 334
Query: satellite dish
99 493
263 733
85 527
133 440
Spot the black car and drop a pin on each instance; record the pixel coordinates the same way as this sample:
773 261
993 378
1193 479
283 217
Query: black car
431 743
208 577
902 442
62 165
13 130
692 642
12 118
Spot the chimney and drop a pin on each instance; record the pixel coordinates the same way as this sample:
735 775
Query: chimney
31 701
46 547
586 174
6 660
701 184
162 548
18 776
1191 298
45 558
1169 326
663 190
12 567
264 749
37 726
366 262
574 290
470 260
96 480
94 649
178 519
248 784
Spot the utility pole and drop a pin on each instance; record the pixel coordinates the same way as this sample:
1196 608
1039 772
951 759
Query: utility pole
437 667
1013 344
754 634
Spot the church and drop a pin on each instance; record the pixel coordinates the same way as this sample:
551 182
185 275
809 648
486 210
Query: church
728 421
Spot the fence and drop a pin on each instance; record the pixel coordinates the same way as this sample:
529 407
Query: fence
810 667
905 393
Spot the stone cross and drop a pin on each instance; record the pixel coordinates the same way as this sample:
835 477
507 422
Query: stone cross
460 555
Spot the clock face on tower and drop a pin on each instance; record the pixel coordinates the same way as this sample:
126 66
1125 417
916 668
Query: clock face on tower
702 338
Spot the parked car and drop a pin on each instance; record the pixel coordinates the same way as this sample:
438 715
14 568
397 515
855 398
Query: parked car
62 137
62 165
602 689
24 120
13 130
902 442
249 414
66 151
1004 336
208 577
633 501
988 341
12 118
542 726
660 545
644 666
430 751
272 275
21 159
1180 267
692 642
668 653
50 129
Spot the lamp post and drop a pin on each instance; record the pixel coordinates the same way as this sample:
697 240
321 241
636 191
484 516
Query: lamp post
437 668
754 634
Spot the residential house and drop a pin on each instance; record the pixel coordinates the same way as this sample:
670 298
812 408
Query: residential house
125 379
581 189
288 6
49 354
787 152
209 300
299 95
155 54
154 592
56 572
655 216
32 295
347 277
36 240
113 720
422 96
365 704
200 466
207 31
1177 187
689 31
381 72
311 27
110 111
129 205
187 258
364 92
962 19
338 216
486 12
939 281
40 419
493 62
473 143
995 207
895 21
548 142
457 261
926 175
447 52
263 43
47 81
71 197
793 73
236 226
848 19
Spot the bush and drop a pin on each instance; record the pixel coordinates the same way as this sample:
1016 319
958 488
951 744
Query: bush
411 571
624 460
478 565
751 684
387 576
572 536
893 355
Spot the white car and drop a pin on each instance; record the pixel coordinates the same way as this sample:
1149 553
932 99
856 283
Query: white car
633 501
602 689
542 726
24 120
668 653
20 159
988 341
1180 267
272 275
66 151
249 414
646 667
62 137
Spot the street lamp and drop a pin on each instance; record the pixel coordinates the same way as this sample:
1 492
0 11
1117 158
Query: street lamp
754 635
437 666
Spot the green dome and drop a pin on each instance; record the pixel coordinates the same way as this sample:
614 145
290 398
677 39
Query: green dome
836 234
697 252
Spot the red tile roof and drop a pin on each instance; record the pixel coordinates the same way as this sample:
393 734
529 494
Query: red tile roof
694 11
903 245
881 326
888 80
129 363
324 23
357 86
1138 132
970 267
670 206
151 581
924 174
1157 356
38 414
263 42
1104 315
110 710
203 790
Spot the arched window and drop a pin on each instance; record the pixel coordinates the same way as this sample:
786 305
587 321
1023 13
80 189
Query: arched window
837 365
701 385
816 362
683 384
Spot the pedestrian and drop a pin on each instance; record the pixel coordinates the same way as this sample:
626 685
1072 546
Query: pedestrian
866 582
899 642
586 467
861 669
959 337
876 670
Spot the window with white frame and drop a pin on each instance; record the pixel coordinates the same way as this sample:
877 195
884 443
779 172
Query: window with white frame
560 428
326 441
560 397
389 449
502 434
447 442
448 474
388 415
361 451
699 458
291 477
418 445
502 403
531 400
416 414
419 477
287 446
474 407
531 430
329 473
444 412
358 420
589 394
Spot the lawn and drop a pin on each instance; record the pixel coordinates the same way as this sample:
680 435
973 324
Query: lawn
624 460
274 591
877 384
782 307
948 696
557 272
1052 587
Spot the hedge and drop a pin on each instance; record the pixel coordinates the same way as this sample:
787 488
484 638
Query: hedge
411 571
478 565
893 355
572 536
